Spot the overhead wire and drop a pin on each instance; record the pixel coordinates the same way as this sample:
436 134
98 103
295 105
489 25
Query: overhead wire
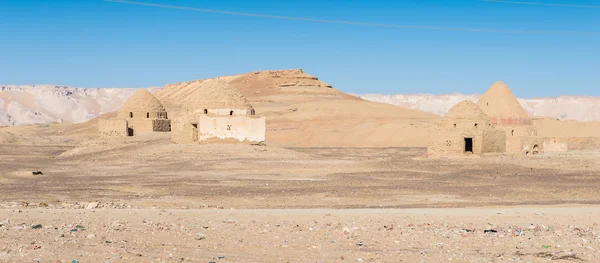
356 23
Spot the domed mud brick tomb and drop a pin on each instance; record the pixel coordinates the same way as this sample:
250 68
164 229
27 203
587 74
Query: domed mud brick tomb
218 112
507 114
466 129
142 113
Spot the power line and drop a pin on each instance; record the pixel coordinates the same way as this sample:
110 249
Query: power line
545 4
521 32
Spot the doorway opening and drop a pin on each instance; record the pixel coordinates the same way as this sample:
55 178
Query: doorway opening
195 132
129 131
469 145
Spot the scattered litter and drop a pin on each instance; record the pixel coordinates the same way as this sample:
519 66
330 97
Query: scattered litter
38 226
490 231
37 173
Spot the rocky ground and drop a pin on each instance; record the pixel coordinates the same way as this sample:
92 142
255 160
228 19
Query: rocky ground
144 199
528 234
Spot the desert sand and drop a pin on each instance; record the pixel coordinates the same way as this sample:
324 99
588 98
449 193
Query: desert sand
340 179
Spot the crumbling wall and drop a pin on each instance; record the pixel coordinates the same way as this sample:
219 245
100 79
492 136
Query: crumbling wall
528 145
112 128
182 131
242 128
494 141
555 145
583 143
515 135
450 142
141 125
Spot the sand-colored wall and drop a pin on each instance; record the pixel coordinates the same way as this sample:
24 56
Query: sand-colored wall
566 129
141 115
449 137
494 141
182 131
583 143
555 145
241 128
112 128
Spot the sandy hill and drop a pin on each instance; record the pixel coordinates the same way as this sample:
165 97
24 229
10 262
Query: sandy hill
301 110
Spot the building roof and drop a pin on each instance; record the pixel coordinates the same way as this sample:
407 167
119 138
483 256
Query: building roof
466 110
142 100
499 101
214 94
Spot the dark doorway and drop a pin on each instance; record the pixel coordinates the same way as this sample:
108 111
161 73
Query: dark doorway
129 132
195 132
231 113
469 145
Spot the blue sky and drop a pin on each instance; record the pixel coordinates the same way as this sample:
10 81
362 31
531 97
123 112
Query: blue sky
93 43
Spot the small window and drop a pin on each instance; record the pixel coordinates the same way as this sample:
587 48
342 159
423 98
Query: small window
487 104
512 133
131 115
205 111
147 115
231 113
475 125
252 112
455 125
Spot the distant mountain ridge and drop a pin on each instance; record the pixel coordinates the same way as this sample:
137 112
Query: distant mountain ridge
40 104
579 108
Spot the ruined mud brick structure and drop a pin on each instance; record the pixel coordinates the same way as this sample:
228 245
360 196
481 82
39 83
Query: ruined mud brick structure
466 129
218 113
142 113
507 114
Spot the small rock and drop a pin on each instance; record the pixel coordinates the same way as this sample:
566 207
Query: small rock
38 226
200 236
92 205
91 236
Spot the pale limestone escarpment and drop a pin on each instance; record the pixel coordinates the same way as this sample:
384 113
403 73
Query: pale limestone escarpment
142 113
466 129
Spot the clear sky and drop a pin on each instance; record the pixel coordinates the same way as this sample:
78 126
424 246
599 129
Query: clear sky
93 43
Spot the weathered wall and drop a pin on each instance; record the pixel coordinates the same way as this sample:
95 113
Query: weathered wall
494 141
140 115
453 143
241 128
555 145
528 145
583 143
140 126
554 128
112 128
182 131
515 134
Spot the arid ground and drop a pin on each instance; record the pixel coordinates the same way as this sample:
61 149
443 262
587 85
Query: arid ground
144 199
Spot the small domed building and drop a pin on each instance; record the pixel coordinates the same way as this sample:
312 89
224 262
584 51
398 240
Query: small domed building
217 112
141 113
507 114
466 129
